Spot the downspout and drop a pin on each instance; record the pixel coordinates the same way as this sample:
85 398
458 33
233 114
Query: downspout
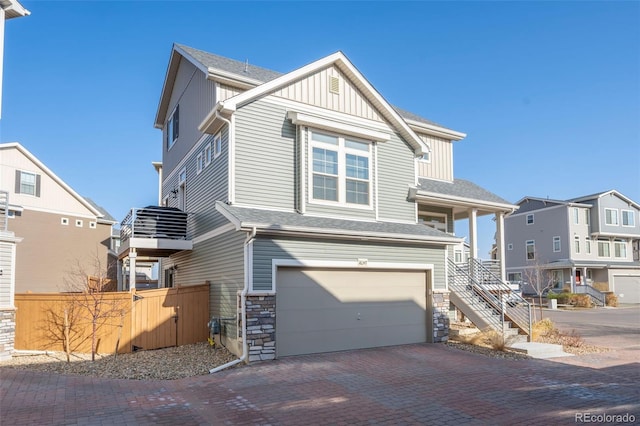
243 304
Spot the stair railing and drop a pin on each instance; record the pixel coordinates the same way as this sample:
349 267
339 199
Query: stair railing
595 294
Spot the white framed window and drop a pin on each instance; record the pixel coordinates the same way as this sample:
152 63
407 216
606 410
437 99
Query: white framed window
576 216
557 278
620 249
587 245
92 225
64 221
514 277
79 223
207 155
27 183
425 157
11 214
510 246
434 220
531 249
182 177
611 217
217 145
587 217
576 244
340 170
199 163
530 219
172 128
457 255
628 218
556 244
603 248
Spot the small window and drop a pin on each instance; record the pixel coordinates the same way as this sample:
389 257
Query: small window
628 218
576 216
182 177
620 249
425 157
587 217
603 248
199 163
576 245
217 145
92 225
27 183
514 277
11 214
531 250
172 128
79 223
458 256
530 219
207 154
556 244
587 245
611 217
510 246
64 221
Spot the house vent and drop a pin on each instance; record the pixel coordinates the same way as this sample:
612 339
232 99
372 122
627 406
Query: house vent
334 84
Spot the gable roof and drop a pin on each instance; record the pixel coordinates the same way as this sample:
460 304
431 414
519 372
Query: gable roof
270 221
247 76
106 217
461 192
602 194
53 176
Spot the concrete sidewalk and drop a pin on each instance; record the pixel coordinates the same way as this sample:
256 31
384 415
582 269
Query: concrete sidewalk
414 384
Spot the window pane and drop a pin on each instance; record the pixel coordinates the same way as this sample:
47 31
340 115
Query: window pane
357 167
357 192
321 137
27 183
356 145
325 188
628 218
325 161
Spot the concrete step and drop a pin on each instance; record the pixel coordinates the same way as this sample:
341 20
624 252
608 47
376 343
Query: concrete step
539 350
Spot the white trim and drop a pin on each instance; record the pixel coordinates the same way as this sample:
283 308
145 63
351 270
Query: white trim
217 145
633 215
79 223
214 233
302 146
341 264
64 221
463 202
302 119
612 209
376 199
93 225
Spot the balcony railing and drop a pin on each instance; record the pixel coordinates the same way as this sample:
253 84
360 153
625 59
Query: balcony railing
154 222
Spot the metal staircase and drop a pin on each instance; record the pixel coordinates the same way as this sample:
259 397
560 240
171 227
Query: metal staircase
488 301
596 296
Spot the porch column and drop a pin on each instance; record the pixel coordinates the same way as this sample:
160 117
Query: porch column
500 244
584 276
120 275
573 279
132 270
473 233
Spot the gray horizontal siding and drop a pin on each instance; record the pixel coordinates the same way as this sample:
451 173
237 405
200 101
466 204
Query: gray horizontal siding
220 261
396 173
6 256
265 250
265 156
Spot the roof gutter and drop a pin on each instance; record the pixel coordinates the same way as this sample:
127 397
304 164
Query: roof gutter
459 201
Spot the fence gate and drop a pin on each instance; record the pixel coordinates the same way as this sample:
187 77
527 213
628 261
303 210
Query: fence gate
169 317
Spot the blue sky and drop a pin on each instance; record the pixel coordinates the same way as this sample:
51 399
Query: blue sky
548 92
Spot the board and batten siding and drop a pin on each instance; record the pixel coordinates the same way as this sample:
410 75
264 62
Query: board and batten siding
441 153
196 96
315 90
395 174
267 249
220 261
265 156
226 92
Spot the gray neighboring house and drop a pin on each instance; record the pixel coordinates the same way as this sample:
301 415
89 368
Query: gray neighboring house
576 243
321 216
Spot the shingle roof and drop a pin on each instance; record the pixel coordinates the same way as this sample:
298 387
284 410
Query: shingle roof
264 75
459 188
105 214
282 221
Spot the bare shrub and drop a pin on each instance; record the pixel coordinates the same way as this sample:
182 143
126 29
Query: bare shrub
611 299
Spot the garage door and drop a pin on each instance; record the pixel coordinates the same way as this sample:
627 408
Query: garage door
627 288
325 310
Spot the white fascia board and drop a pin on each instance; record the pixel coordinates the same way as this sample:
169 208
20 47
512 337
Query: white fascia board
160 244
464 202
221 208
230 78
433 130
52 175
13 9
299 118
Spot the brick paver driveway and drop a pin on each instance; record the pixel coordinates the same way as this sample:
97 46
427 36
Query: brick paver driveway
414 384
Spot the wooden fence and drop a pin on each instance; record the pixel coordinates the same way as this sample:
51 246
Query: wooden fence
144 319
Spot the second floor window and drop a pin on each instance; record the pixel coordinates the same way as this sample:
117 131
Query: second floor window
576 243
172 129
531 250
620 249
603 248
628 218
27 183
576 216
530 219
556 244
611 217
340 169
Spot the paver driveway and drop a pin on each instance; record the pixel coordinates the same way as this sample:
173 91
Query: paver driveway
414 384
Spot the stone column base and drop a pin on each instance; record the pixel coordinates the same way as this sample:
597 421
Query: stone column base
440 316
261 323
7 332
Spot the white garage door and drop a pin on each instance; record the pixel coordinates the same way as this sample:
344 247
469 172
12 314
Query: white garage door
627 288
325 310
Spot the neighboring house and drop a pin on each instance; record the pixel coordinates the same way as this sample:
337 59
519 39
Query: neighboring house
322 216
577 242
60 230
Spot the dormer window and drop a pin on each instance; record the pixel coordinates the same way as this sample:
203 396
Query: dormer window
340 170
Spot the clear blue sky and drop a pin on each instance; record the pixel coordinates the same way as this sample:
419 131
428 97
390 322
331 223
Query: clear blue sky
548 92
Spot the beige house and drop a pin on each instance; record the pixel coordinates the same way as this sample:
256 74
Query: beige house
59 228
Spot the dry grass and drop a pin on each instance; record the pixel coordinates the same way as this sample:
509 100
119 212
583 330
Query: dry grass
611 299
487 338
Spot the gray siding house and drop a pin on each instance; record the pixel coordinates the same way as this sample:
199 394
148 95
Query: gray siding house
576 243
321 215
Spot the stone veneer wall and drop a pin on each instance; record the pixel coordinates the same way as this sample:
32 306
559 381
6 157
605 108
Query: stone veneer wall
261 324
440 316
7 332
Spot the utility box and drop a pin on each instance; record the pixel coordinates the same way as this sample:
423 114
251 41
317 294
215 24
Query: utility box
553 303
